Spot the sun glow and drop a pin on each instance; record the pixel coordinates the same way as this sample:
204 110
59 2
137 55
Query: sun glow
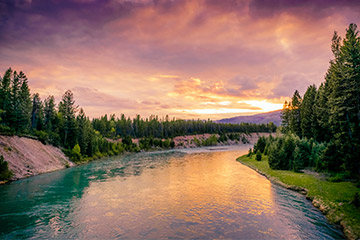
264 105
218 110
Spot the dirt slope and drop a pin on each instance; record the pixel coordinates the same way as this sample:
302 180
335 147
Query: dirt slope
29 157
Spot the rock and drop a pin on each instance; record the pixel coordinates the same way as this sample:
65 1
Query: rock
323 209
316 203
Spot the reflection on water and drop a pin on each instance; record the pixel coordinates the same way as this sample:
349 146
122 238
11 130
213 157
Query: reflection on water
159 195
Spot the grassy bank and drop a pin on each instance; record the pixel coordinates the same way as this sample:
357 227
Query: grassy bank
332 198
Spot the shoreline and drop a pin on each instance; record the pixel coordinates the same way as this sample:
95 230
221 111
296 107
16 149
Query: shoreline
29 157
328 211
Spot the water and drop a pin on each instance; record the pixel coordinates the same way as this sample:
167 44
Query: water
191 194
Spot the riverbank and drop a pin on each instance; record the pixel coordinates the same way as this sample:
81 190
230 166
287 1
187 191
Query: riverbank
28 157
333 199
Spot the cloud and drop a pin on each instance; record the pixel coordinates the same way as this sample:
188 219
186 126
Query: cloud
92 97
160 57
289 82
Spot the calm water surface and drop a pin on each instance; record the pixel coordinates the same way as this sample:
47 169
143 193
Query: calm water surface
191 194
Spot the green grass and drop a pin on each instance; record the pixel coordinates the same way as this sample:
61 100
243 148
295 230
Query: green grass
336 197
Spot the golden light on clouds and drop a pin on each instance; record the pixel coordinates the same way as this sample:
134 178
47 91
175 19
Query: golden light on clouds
217 110
265 105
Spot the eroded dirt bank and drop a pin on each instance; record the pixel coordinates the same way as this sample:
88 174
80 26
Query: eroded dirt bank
28 157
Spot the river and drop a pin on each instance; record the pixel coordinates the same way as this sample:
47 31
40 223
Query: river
196 193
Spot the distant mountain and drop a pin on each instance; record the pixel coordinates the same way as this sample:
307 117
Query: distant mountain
273 116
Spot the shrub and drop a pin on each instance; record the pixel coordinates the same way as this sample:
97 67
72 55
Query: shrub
197 142
5 130
330 159
258 156
301 156
244 140
250 152
211 141
260 145
5 173
42 136
76 153
172 143
282 152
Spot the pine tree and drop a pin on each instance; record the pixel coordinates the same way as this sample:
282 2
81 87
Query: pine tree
295 117
344 92
285 117
25 104
85 130
322 110
14 111
37 113
49 113
67 110
308 120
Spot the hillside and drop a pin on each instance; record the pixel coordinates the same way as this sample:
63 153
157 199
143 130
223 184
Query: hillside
28 157
260 118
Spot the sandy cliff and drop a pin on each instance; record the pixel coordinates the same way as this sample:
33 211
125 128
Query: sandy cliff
29 157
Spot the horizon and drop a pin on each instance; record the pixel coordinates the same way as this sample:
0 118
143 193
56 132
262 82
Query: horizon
185 59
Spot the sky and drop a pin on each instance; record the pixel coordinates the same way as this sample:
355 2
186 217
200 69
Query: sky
186 59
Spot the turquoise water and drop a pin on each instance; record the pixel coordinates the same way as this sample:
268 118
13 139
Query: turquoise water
200 193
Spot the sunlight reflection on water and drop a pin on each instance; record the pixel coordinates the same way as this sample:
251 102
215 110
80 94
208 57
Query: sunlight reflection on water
188 194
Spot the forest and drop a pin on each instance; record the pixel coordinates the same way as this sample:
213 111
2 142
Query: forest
321 130
65 125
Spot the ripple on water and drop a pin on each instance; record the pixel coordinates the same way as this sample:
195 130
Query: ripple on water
172 195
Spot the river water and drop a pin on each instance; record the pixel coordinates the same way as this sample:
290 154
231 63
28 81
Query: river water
199 193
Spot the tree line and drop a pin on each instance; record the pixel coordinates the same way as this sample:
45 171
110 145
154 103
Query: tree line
322 128
66 125
165 127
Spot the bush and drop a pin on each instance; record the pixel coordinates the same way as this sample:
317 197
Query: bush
76 153
42 136
315 158
339 177
356 200
5 130
223 138
5 173
244 140
301 155
282 151
211 141
330 159
172 143
260 145
197 142
258 156
250 152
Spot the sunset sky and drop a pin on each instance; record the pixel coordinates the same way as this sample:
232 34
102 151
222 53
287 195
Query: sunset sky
188 59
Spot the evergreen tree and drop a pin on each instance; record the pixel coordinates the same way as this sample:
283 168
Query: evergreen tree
85 130
14 111
49 113
5 95
37 113
343 77
321 112
295 117
285 117
25 103
67 110
308 120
